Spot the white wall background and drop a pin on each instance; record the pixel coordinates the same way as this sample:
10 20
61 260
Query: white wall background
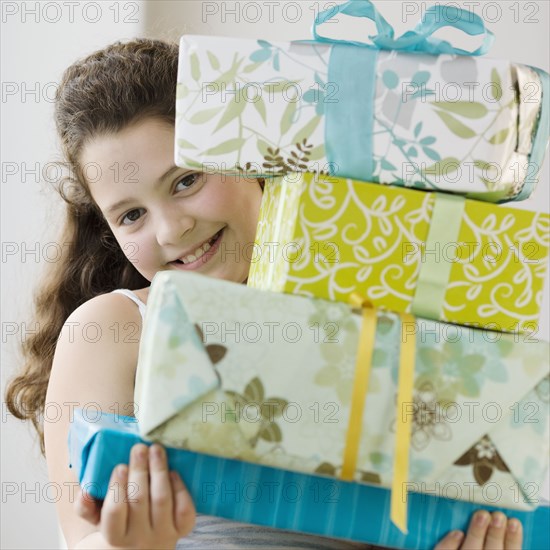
36 48
39 39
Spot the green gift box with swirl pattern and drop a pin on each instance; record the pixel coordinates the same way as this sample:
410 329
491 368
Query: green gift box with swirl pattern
438 256
273 379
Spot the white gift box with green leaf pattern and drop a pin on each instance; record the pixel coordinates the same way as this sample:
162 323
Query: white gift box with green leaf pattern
271 378
470 125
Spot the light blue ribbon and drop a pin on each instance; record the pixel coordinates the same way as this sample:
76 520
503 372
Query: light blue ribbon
420 39
356 8
352 112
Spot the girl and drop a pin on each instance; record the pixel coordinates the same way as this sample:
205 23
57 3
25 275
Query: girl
131 213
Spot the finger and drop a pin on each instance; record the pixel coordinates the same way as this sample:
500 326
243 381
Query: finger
184 507
451 541
514 535
138 487
475 536
87 507
114 514
161 489
496 532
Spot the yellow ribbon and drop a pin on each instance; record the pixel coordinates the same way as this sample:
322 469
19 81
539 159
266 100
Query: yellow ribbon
403 424
363 367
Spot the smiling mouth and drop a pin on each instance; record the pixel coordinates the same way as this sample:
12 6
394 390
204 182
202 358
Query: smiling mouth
202 254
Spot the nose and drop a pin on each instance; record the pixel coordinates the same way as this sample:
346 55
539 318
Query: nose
171 225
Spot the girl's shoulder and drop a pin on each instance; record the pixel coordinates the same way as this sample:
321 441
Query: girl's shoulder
101 337
96 354
110 307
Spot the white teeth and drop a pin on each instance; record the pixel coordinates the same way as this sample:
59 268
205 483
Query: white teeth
201 251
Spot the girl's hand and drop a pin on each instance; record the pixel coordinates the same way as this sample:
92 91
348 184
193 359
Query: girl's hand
486 532
146 505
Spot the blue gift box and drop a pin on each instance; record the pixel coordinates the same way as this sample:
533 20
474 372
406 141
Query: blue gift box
272 497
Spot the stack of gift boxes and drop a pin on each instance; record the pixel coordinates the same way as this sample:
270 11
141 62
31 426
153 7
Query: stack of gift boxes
388 333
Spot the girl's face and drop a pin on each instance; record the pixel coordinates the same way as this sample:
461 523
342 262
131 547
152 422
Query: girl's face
165 217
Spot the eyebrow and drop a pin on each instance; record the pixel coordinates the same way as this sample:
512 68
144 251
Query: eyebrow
119 204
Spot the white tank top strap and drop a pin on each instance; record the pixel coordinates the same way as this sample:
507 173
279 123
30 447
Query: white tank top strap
134 298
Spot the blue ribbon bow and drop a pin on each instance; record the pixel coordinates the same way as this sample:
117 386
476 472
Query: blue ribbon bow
419 39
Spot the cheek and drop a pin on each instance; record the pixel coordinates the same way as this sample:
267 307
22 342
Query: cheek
138 252
243 202
253 208
255 199
237 203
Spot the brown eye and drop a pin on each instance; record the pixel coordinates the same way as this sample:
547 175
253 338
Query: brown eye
132 216
187 181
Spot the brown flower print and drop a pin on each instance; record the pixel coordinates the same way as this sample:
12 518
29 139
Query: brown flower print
484 457
428 421
270 408
428 418
215 352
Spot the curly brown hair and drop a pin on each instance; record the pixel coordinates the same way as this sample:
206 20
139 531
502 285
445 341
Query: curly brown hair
100 94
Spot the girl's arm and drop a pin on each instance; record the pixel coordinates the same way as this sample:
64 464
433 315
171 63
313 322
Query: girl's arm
94 367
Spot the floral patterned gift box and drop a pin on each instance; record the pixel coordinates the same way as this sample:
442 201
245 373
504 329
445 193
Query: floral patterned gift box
322 387
457 123
436 255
